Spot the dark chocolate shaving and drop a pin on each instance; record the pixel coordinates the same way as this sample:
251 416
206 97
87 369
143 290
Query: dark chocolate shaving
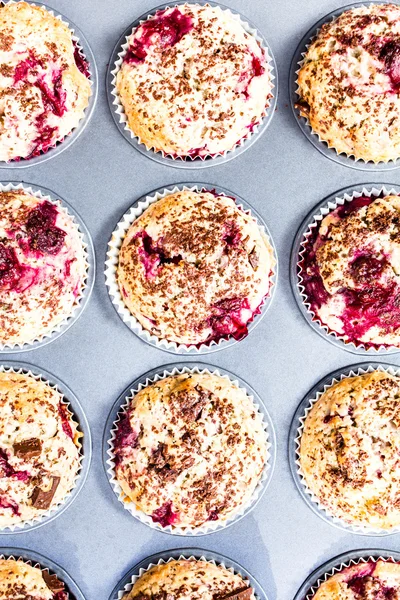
53 583
28 448
41 498
242 594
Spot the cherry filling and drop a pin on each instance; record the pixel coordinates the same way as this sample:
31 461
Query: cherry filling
390 55
164 30
43 235
124 437
165 515
80 60
8 503
256 70
152 255
8 470
53 99
371 303
64 416
232 235
10 268
230 318
213 516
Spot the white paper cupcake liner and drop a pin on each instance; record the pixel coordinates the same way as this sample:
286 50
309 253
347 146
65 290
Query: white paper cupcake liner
348 559
118 113
111 266
296 432
317 141
195 554
122 405
87 285
64 141
34 559
306 229
78 417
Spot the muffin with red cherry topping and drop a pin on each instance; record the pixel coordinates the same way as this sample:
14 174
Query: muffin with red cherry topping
193 82
44 81
194 268
349 83
350 271
364 581
42 267
19 579
39 449
190 580
190 449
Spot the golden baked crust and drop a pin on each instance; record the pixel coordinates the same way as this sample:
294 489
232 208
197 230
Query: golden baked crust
363 581
193 82
194 268
18 581
351 271
42 267
349 83
349 451
191 449
187 580
31 410
43 94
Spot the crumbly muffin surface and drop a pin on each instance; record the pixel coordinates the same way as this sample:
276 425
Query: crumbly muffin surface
351 271
363 581
190 449
189 580
44 88
39 448
349 450
193 82
195 268
42 267
349 83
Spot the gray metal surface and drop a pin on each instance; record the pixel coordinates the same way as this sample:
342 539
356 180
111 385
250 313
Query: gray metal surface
283 176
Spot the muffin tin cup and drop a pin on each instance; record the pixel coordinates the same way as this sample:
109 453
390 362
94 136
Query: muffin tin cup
34 559
120 408
348 559
304 124
111 265
296 431
118 114
128 581
65 142
83 298
77 414
313 220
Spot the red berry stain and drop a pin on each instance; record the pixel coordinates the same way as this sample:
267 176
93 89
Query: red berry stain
165 515
80 60
10 268
232 235
8 470
152 255
43 235
213 516
65 419
8 503
164 31
256 70
390 55
230 318
53 98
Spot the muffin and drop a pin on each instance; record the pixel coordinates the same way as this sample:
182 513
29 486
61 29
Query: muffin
20 580
349 83
44 85
39 449
363 581
195 268
42 267
189 449
190 580
350 271
193 82
349 450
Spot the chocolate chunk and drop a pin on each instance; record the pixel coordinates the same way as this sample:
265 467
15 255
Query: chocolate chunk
242 594
254 259
53 583
42 498
28 448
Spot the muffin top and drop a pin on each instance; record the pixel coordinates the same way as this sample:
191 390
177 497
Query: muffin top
39 448
42 267
350 449
190 580
190 449
351 271
349 83
44 87
363 581
194 268
193 82
20 580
